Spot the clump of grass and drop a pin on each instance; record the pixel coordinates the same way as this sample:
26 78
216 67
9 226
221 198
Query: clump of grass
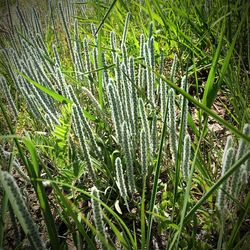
119 142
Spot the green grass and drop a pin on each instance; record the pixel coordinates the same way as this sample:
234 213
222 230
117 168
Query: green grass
57 146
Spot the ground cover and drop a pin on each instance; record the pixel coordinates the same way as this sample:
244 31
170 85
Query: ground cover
125 125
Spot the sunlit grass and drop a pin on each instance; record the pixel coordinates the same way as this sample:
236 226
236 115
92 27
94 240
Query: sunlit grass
122 170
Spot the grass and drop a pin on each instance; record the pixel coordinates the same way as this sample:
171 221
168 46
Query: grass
69 144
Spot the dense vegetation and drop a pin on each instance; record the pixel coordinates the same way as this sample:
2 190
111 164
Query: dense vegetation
125 125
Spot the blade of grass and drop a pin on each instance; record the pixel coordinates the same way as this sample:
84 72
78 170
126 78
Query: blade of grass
119 236
54 95
211 76
211 94
149 9
248 39
105 16
125 28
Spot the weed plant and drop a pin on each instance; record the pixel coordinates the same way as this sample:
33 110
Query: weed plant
111 106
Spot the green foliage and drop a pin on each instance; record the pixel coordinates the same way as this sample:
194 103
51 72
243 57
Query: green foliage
138 144
60 135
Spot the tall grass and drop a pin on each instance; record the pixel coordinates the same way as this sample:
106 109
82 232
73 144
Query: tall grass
130 165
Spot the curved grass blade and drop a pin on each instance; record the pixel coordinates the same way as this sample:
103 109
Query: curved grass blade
211 94
54 95
119 236
105 16
143 220
211 76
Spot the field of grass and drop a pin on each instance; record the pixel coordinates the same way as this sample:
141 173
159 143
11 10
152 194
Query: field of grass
125 125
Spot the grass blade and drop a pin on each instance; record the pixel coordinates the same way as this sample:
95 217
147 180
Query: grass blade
105 16
206 100
214 89
54 95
